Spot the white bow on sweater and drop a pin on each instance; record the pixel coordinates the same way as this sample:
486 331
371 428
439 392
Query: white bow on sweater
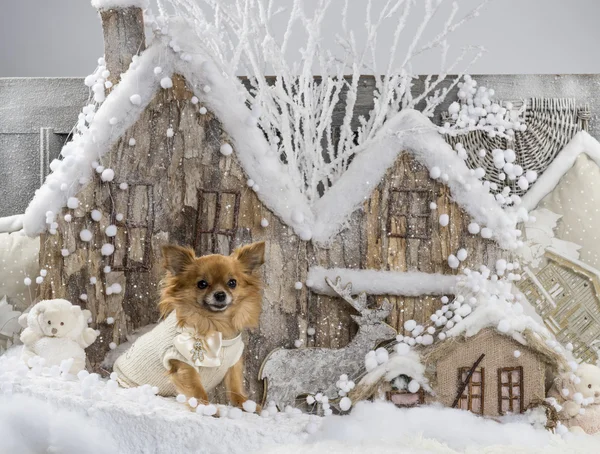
200 350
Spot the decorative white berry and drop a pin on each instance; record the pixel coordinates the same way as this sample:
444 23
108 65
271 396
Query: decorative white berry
64 252
119 217
112 345
461 255
96 215
433 205
107 249
136 99
298 285
226 149
107 175
264 222
453 261
206 89
170 132
310 331
435 173
517 353
473 228
194 100
73 203
131 142
444 220
249 406
27 281
345 404
85 235
181 398
68 218
157 70
202 110
110 320
111 230
166 82
297 343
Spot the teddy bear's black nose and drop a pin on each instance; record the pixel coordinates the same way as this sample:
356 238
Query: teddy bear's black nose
54 331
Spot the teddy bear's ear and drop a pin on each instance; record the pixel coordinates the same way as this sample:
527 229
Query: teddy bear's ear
76 310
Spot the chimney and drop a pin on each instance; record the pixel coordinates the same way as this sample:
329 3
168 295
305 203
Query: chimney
123 38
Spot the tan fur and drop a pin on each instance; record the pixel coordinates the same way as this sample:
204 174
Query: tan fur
180 292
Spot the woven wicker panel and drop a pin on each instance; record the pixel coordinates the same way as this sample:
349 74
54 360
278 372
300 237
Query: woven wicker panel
551 124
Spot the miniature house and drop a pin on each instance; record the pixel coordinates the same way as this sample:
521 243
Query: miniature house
500 383
565 292
488 373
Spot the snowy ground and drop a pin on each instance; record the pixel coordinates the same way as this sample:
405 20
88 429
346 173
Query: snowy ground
38 411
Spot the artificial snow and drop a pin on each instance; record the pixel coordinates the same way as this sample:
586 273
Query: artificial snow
374 282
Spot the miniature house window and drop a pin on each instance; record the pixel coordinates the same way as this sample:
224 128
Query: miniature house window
409 215
217 221
404 398
135 231
510 390
472 397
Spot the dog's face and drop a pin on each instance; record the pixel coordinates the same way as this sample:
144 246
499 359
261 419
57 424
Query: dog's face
217 288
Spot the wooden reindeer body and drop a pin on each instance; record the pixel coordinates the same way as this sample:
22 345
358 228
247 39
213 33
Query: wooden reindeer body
293 373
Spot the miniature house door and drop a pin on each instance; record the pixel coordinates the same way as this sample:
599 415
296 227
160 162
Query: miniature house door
472 396
510 390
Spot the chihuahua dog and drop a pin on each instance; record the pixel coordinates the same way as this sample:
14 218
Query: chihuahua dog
206 302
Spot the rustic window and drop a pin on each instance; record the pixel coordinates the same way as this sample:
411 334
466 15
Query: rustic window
510 390
403 398
472 396
409 214
217 221
135 230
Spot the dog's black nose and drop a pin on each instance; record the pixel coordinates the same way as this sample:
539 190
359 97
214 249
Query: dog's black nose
220 296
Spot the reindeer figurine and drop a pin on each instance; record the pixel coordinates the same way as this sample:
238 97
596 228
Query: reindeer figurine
288 374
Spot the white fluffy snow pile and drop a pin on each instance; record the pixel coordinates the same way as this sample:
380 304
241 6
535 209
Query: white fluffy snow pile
107 4
44 413
138 421
29 426
381 427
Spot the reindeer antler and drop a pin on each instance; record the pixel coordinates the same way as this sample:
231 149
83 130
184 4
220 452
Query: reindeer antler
345 293
360 303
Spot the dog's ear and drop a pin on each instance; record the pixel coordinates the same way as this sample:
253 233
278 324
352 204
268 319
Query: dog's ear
251 256
176 258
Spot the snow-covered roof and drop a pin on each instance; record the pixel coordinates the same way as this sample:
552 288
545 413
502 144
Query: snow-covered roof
582 142
408 130
375 282
107 4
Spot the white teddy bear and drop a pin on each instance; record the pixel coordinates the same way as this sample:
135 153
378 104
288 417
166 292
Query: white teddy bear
56 330
580 397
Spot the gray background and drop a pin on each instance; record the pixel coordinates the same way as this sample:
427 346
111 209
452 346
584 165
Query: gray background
63 38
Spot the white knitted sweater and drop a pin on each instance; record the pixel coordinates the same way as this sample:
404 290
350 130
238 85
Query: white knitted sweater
147 360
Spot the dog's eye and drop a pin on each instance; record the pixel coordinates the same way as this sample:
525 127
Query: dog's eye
49 322
590 386
62 323
231 283
202 284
